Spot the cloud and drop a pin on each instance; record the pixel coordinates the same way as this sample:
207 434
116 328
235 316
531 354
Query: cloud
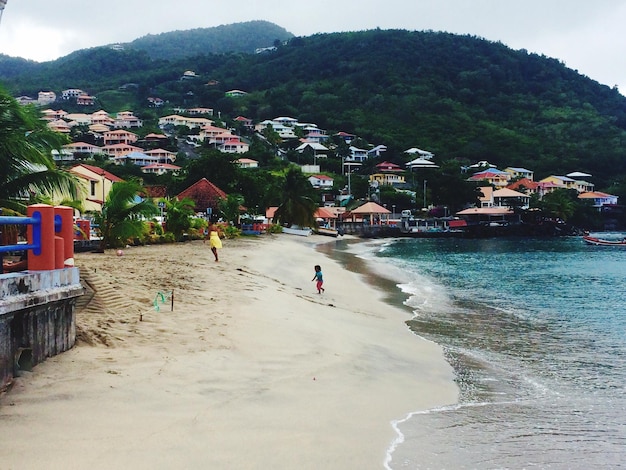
586 36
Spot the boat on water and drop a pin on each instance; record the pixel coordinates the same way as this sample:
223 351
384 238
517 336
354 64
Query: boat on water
603 242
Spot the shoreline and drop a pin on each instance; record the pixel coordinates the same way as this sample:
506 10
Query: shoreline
252 368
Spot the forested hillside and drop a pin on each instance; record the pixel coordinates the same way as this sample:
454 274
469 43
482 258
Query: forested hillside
238 37
460 97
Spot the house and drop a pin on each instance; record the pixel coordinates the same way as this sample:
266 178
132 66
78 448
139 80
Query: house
487 215
377 151
59 126
79 119
71 93
247 163
421 153
313 148
160 168
527 186
155 102
599 199
245 122
190 122
283 131
188 75
563 182
347 138
200 111
127 120
387 173
24 100
102 117
508 198
97 184
119 136
136 158
53 114
321 181
163 156
85 100
233 145
492 176
391 179
205 194
520 173
235 93
357 155
83 148
117 150
209 132
46 97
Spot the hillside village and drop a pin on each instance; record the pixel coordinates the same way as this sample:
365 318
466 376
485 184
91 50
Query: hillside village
119 138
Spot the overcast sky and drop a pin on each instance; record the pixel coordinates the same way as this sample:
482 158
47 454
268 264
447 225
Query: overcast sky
587 36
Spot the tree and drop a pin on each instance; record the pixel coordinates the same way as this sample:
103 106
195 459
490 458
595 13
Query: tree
230 207
178 215
122 218
560 203
297 205
27 171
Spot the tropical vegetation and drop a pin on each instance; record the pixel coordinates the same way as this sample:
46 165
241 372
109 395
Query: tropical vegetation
28 174
464 98
123 217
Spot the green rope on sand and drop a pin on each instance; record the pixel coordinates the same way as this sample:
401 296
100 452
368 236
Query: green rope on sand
161 297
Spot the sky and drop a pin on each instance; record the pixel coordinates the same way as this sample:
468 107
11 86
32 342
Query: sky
586 36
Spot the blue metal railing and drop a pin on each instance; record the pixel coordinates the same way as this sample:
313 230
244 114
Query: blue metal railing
35 221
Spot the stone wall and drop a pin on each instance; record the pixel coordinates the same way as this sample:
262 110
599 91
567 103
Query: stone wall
37 318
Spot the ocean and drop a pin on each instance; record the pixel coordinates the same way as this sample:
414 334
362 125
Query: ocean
535 330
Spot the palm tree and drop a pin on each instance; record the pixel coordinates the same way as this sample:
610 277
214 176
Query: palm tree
179 212
122 218
27 171
560 203
298 204
230 207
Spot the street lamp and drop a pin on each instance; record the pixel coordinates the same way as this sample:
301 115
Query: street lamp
424 194
393 211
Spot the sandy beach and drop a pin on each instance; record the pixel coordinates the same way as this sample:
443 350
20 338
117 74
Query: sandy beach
252 369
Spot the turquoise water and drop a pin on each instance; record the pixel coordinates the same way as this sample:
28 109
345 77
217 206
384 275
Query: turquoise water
536 332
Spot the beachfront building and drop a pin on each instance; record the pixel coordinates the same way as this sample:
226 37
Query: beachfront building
599 199
96 183
205 194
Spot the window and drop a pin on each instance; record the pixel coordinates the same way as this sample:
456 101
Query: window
93 188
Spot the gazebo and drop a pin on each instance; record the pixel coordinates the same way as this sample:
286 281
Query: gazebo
370 211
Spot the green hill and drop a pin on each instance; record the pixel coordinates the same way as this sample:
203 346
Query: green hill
461 97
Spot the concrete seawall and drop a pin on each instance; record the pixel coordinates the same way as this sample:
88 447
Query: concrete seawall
37 318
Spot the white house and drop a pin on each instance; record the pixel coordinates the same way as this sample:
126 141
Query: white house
321 181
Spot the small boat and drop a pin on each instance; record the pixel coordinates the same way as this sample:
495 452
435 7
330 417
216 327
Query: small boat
295 230
603 242
329 232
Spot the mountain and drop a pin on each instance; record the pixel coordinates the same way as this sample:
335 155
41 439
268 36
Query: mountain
238 37
462 97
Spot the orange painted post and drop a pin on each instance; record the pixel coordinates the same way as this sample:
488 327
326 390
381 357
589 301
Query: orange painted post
59 252
41 258
85 229
67 233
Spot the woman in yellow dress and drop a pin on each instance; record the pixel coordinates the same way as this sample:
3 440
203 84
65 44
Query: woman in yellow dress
215 241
